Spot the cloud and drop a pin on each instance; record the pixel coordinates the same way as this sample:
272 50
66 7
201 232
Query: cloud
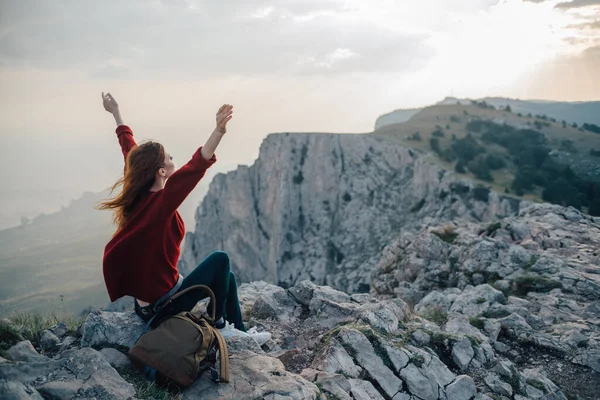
569 4
593 55
586 25
578 4
201 39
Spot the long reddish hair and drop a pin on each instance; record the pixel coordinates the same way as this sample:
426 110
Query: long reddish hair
141 165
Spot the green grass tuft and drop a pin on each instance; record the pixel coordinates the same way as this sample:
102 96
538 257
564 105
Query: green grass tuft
30 325
531 262
538 385
474 342
146 389
436 315
531 283
418 360
495 313
377 346
493 228
476 322
9 335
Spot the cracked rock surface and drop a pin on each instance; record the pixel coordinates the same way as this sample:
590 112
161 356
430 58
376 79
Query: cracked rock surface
509 310
327 344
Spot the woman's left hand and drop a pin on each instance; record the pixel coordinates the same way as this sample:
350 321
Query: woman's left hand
224 115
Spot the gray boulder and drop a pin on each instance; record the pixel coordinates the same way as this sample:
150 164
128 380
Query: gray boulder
462 353
13 390
48 341
88 372
370 362
254 376
24 351
105 329
115 358
463 388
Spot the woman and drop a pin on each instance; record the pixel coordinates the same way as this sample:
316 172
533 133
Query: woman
141 258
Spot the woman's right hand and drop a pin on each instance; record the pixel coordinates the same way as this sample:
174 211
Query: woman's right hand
109 103
224 115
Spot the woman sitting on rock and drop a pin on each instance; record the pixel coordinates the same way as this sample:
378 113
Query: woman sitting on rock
141 258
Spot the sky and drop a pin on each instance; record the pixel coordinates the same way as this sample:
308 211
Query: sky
285 65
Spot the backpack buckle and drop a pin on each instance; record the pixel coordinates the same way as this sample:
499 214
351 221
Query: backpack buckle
150 372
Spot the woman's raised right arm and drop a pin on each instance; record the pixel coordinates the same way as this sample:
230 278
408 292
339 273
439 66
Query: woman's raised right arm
124 133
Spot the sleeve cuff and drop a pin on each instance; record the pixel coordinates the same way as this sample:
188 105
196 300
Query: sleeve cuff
121 129
201 161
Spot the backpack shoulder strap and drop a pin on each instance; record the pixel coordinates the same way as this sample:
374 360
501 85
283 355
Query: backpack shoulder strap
223 356
202 288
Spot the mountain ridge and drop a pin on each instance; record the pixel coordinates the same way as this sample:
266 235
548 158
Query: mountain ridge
579 112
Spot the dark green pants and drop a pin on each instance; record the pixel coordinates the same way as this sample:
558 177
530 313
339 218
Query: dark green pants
214 272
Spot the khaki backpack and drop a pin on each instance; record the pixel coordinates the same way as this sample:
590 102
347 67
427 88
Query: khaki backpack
182 346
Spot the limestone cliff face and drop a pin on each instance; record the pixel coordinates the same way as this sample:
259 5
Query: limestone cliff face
322 207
